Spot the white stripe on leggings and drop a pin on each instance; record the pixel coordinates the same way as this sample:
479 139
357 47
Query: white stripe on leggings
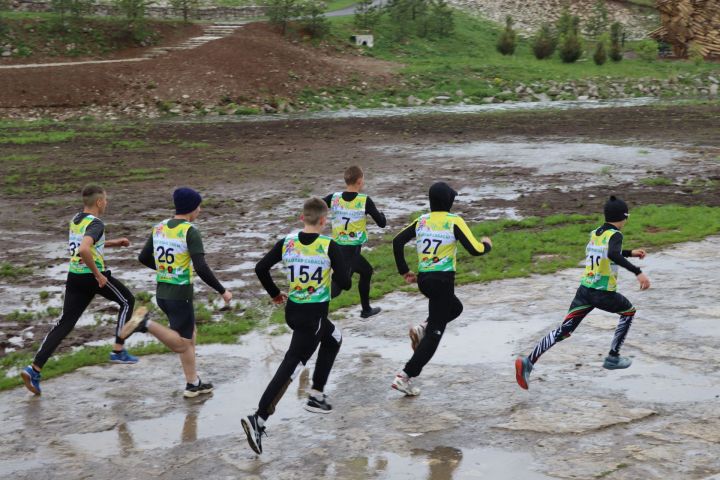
125 307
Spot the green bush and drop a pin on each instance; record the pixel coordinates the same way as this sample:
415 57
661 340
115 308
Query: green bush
367 15
600 56
313 19
544 43
647 50
507 40
616 42
280 12
570 48
695 54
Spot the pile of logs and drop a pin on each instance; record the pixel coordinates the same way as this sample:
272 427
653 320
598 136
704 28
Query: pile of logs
687 23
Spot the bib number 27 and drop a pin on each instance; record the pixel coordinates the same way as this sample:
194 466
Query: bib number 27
429 245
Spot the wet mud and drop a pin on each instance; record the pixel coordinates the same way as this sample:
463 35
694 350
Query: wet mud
656 420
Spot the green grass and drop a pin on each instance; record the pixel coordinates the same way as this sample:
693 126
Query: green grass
468 61
19 158
8 271
129 144
338 5
656 181
29 137
520 248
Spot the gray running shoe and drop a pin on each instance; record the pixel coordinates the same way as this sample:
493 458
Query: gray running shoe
613 362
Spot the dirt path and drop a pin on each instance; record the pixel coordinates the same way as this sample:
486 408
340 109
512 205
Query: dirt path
656 420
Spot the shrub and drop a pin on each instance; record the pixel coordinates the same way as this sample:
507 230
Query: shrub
367 15
615 42
313 18
544 43
600 56
647 50
597 24
695 54
441 20
506 41
570 48
280 12
185 7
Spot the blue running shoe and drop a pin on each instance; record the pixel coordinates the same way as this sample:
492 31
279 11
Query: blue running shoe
122 357
31 379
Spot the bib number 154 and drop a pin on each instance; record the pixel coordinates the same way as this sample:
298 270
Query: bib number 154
302 273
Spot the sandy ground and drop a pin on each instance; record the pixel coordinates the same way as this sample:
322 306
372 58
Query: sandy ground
656 420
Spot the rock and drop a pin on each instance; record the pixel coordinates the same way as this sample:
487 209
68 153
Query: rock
488 100
269 109
5 53
713 80
714 90
582 98
442 98
542 97
459 93
413 101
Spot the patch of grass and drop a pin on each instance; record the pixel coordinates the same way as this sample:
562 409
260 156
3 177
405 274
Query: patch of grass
194 145
129 144
8 271
29 137
19 158
656 181
143 174
44 295
20 317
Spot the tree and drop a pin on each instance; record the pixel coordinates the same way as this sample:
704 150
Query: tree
597 24
74 9
367 15
185 7
280 12
442 22
616 53
507 40
313 18
566 22
600 56
570 47
134 13
544 42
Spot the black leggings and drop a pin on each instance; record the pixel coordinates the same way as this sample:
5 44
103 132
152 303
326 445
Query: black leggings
586 299
444 307
311 327
80 289
357 264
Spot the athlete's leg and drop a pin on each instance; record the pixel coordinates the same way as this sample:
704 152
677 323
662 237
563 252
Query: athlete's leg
178 338
616 303
330 342
79 292
116 292
363 267
579 309
305 339
442 305
348 253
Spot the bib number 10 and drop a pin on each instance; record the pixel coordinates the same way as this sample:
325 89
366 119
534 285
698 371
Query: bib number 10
594 260
302 274
165 255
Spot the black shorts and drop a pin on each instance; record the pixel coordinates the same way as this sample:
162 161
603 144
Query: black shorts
181 316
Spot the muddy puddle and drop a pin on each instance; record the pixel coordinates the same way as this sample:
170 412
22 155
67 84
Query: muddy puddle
655 420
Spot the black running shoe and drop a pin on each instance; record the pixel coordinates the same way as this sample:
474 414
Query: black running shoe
192 391
254 432
369 313
316 405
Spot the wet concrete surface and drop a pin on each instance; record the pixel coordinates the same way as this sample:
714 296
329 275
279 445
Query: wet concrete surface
655 420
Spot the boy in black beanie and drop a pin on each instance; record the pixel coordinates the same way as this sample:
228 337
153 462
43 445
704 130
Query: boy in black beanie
597 290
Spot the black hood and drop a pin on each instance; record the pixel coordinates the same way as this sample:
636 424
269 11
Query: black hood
441 197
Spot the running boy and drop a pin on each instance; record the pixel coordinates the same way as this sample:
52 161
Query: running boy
86 278
174 250
348 210
597 290
310 258
436 234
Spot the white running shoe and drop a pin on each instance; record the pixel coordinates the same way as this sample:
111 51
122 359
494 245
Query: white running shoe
416 335
403 384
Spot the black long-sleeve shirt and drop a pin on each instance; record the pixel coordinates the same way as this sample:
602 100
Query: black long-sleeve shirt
615 252
340 275
370 208
408 233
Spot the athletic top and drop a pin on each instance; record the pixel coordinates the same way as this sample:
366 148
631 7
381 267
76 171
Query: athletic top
172 257
604 255
347 216
86 225
149 256
292 250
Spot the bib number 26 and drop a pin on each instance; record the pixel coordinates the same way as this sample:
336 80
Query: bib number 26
165 255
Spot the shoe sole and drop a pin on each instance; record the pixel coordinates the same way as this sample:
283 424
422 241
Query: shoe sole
317 410
370 315
189 394
414 338
519 374
250 436
615 367
28 382
124 362
137 317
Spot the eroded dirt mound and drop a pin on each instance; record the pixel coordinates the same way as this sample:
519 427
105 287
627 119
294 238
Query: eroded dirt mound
256 63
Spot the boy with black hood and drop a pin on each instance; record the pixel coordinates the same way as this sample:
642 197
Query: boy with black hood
436 234
597 290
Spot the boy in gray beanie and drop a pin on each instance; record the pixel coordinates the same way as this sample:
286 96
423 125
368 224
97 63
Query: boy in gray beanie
597 290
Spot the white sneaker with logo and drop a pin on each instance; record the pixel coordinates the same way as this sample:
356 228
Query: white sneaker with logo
402 383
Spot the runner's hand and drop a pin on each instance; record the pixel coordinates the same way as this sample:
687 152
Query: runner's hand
123 242
644 281
280 299
486 240
227 296
410 277
101 279
639 253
